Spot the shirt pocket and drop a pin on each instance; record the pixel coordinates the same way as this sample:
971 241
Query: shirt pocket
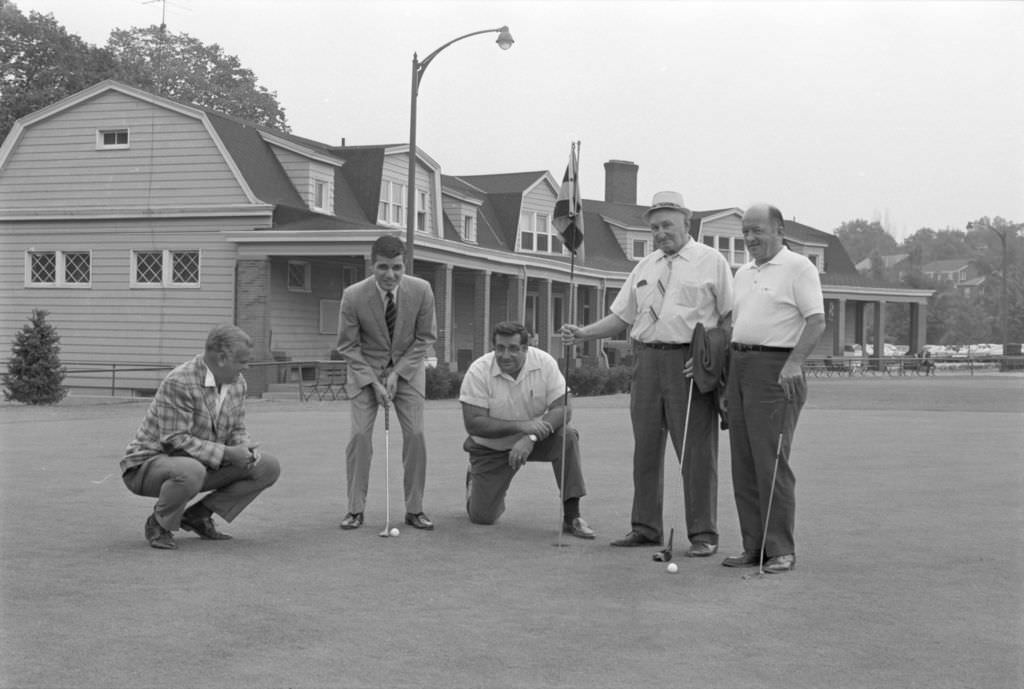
692 295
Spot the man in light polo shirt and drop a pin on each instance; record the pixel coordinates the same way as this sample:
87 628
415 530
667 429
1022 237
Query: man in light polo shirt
514 408
778 318
679 285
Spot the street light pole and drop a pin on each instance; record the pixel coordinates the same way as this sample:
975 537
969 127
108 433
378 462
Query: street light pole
505 42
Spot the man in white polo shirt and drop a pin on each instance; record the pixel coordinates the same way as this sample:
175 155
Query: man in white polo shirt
778 318
514 408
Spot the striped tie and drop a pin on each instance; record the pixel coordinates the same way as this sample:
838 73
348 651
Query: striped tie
390 314
662 286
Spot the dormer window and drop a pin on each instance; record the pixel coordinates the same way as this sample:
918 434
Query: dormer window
107 139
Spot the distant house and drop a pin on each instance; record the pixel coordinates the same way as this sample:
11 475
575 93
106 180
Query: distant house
139 222
952 270
894 266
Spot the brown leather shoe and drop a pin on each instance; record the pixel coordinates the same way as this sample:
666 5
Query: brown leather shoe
634 539
702 549
780 563
744 559
578 528
419 521
203 527
352 520
158 536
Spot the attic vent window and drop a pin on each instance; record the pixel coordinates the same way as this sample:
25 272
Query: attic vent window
111 138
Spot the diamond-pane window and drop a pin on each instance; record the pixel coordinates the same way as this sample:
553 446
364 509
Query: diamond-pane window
149 267
44 267
77 267
298 276
185 267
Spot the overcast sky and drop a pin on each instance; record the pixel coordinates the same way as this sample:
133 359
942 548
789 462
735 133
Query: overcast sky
910 113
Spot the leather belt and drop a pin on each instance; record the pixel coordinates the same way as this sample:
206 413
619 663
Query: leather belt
759 348
662 345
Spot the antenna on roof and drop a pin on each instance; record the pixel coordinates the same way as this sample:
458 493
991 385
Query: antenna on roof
163 13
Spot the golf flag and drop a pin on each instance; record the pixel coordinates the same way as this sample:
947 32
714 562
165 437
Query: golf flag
568 215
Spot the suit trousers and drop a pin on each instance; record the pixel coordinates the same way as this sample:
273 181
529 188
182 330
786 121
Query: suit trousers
490 475
408 407
758 414
658 409
174 480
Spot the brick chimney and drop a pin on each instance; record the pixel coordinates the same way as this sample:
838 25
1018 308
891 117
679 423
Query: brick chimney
620 181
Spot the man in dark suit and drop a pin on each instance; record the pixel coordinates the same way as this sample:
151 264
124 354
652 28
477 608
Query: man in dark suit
194 439
385 327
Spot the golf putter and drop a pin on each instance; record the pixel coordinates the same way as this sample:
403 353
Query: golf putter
666 554
387 473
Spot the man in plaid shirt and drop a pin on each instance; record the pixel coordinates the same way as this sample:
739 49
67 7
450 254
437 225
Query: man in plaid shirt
194 439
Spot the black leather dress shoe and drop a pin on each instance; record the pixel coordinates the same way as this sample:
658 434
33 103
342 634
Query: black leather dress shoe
158 536
352 521
744 559
203 527
634 539
419 521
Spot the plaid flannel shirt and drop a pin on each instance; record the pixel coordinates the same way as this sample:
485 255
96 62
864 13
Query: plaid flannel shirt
182 419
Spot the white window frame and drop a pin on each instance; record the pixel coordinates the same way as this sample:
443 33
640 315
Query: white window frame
391 208
325 203
530 223
60 269
421 210
644 242
102 146
166 270
469 228
307 272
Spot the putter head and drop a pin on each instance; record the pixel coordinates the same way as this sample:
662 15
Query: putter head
385 533
662 556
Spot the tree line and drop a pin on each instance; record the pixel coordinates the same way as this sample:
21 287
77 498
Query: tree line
40 63
955 316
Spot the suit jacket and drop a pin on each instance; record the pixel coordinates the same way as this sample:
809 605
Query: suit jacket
181 419
363 333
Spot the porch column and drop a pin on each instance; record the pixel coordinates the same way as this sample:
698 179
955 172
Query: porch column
544 313
481 312
443 306
839 329
879 342
918 328
517 298
252 314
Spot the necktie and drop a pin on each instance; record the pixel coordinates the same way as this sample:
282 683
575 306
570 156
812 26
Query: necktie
390 314
662 285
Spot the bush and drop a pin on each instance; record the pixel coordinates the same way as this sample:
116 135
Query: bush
590 380
443 383
34 372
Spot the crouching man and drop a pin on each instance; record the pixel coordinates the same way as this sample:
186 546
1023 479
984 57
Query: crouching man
194 440
514 407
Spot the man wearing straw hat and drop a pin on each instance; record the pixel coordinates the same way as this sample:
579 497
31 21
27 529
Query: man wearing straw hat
681 284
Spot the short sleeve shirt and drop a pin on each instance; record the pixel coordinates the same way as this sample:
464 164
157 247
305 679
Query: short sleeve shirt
526 397
700 290
773 300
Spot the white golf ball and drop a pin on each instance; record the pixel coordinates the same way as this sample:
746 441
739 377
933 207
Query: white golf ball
672 568
394 531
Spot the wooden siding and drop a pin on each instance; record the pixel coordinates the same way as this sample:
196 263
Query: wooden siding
396 169
111 321
295 316
302 172
171 161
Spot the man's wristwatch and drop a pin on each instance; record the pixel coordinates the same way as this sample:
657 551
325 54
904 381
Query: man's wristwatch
532 437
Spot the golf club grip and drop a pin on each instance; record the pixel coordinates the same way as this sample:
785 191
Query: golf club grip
387 418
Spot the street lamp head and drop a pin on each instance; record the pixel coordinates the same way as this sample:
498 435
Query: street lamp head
505 39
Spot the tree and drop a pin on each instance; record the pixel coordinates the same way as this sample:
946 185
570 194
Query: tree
34 372
40 63
860 238
181 67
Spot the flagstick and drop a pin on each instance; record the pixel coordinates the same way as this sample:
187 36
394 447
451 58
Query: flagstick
565 401
574 197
